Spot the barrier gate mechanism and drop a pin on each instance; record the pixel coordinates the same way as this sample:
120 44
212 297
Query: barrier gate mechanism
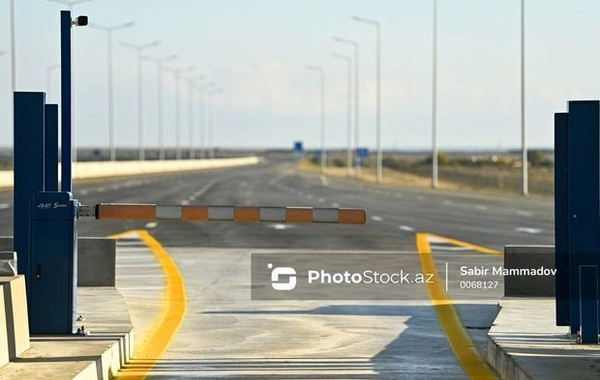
577 218
44 219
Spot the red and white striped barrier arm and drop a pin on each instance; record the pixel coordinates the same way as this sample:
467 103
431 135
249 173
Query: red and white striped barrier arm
130 211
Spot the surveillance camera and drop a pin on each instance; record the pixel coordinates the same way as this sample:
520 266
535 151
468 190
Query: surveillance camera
80 21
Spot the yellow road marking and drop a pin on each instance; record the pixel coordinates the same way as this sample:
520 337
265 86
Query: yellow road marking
465 350
173 309
461 243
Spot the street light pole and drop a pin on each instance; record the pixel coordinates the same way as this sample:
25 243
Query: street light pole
139 49
109 67
177 73
13 59
49 71
202 115
160 111
210 94
377 26
354 44
321 73
434 147
525 181
348 110
190 82
70 4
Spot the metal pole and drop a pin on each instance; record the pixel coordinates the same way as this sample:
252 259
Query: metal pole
525 189
177 121
202 116
110 79
65 93
211 148
321 73
111 112
348 111
354 44
159 98
378 117
13 59
191 113
377 26
139 49
434 148
160 112
323 153
141 155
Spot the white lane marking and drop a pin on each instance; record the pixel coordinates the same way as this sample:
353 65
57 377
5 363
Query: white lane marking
523 213
191 198
4 206
279 226
100 189
448 203
151 225
84 192
448 248
406 228
528 230
309 196
376 218
481 207
321 200
335 204
185 202
324 181
204 189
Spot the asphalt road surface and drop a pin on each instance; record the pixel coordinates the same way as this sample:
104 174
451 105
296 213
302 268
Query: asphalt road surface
226 335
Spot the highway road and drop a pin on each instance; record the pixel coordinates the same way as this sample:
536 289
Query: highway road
224 334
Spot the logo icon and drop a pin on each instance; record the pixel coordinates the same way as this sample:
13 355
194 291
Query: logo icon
278 272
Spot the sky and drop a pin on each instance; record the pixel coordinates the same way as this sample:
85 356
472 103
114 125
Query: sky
256 52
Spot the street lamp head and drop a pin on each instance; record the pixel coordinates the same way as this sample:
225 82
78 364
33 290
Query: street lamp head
79 21
338 55
365 20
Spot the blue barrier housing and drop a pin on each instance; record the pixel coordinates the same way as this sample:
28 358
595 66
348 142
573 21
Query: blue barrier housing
53 294
577 218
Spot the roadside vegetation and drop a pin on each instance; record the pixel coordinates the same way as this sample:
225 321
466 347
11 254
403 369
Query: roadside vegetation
499 173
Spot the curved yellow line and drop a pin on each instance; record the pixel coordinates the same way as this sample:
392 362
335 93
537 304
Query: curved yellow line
173 309
465 350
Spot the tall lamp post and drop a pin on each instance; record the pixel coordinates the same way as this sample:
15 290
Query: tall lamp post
177 73
70 4
377 26
434 147
159 97
49 71
109 75
348 110
139 49
190 83
321 73
354 44
210 94
202 115
525 189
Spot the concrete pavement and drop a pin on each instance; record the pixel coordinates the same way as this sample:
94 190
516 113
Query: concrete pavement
96 356
525 344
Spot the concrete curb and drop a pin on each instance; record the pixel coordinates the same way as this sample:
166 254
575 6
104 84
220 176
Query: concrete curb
89 170
98 356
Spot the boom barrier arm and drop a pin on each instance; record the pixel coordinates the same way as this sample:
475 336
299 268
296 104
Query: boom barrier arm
242 214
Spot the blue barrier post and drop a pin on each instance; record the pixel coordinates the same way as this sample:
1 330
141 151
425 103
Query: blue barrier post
51 147
561 216
588 305
583 209
65 93
28 170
